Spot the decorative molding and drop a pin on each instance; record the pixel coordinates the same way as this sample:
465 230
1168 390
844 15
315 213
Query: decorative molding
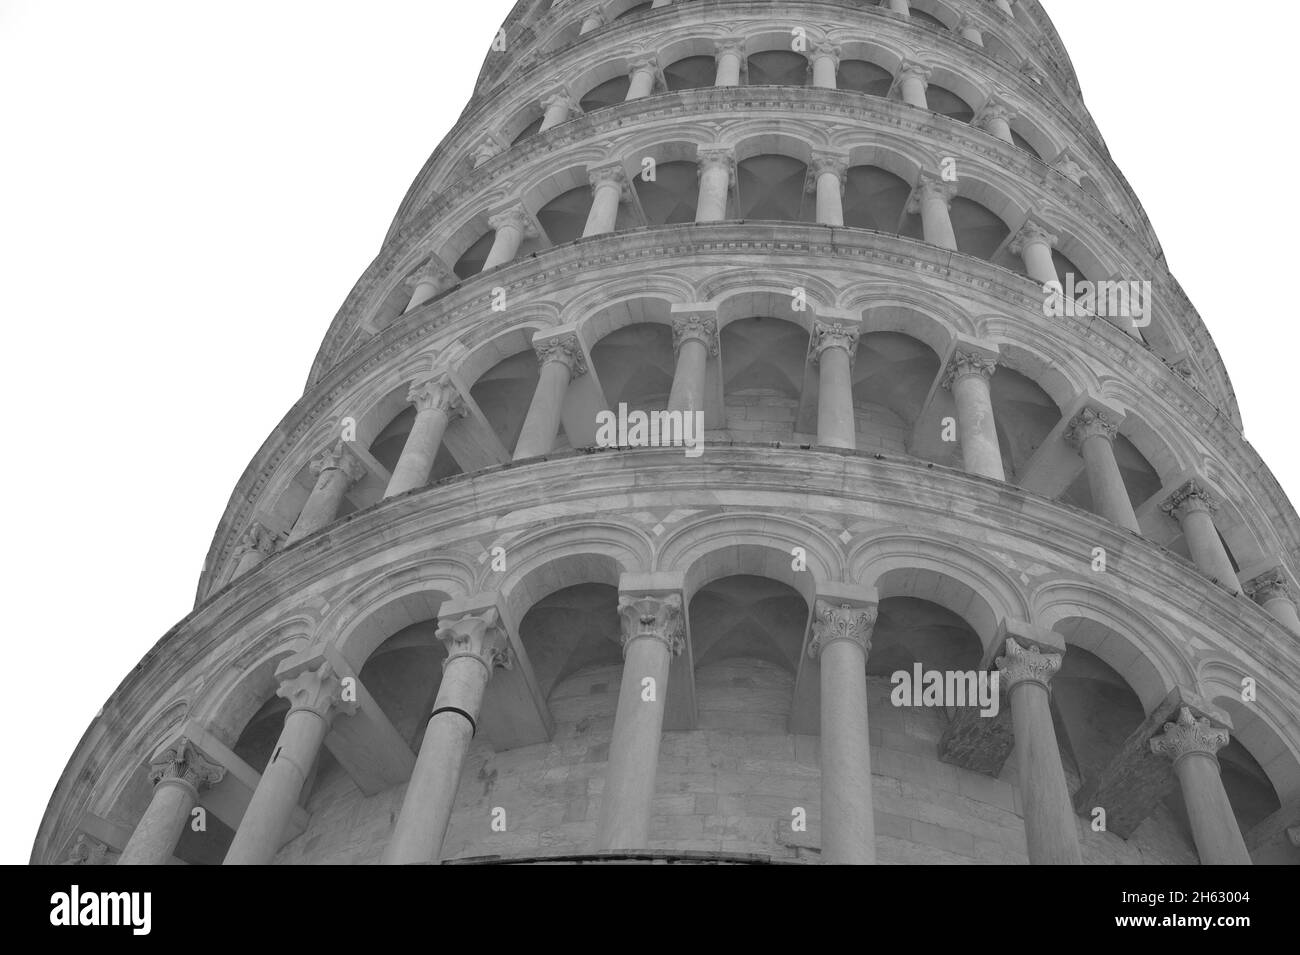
1026 664
964 364
1089 423
478 636
1191 497
1189 735
566 350
842 621
186 763
698 328
654 616
437 394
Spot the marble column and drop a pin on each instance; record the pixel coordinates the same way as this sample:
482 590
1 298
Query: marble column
558 108
1193 507
477 645
911 83
643 74
512 226
969 29
1051 833
826 180
425 283
1192 743
695 339
609 189
932 198
653 632
593 21
841 642
968 378
336 471
996 118
832 349
730 55
1034 244
1092 433
561 361
1272 592
717 171
825 60
257 544
315 694
178 775
436 402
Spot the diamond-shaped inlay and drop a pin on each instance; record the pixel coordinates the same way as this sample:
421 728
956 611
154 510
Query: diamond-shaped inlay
845 537
658 529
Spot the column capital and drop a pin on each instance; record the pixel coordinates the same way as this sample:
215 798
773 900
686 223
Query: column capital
1191 497
730 44
713 156
560 98
1270 585
657 616
965 363
1090 423
565 349
437 393
644 61
913 69
1026 664
339 458
1030 233
86 850
826 160
477 634
1068 167
613 173
516 217
185 763
313 684
995 109
596 13
434 272
698 327
258 537
1190 734
930 188
842 620
825 48
833 335
968 21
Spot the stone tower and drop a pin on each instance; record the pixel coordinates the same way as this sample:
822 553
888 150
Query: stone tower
485 592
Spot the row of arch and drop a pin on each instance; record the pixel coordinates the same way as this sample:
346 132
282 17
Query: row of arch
759 374
560 594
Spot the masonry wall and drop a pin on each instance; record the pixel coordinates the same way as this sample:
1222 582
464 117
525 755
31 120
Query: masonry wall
729 786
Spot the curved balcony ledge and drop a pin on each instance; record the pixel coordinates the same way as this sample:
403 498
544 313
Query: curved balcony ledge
648 857
834 493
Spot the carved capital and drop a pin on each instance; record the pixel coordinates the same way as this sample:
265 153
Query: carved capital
437 394
339 458
833 335
565 350
611 174
477 636
643 63
86 851
913 70
1189 735
695 328
994 111
964 364
825 48
258 538
516 217
1019 664
1270 585
732 44
717 157
431 273
561 99
1070 169
1188 499
318 690
1089 423
841 621
656 616
826 162
183 761
1030 233
931 189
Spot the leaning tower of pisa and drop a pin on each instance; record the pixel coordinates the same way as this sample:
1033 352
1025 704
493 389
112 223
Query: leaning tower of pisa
768 433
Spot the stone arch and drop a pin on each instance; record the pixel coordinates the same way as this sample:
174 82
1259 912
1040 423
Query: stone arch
927 316
902 563
392 600
935 10
1239 519
632 301
1115 632
1053 366
553 558
505 344
740 295
1259 727
753 544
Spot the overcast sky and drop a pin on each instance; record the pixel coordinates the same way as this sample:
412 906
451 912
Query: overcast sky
189 190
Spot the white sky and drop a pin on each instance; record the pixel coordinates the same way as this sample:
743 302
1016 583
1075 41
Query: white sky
189 190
